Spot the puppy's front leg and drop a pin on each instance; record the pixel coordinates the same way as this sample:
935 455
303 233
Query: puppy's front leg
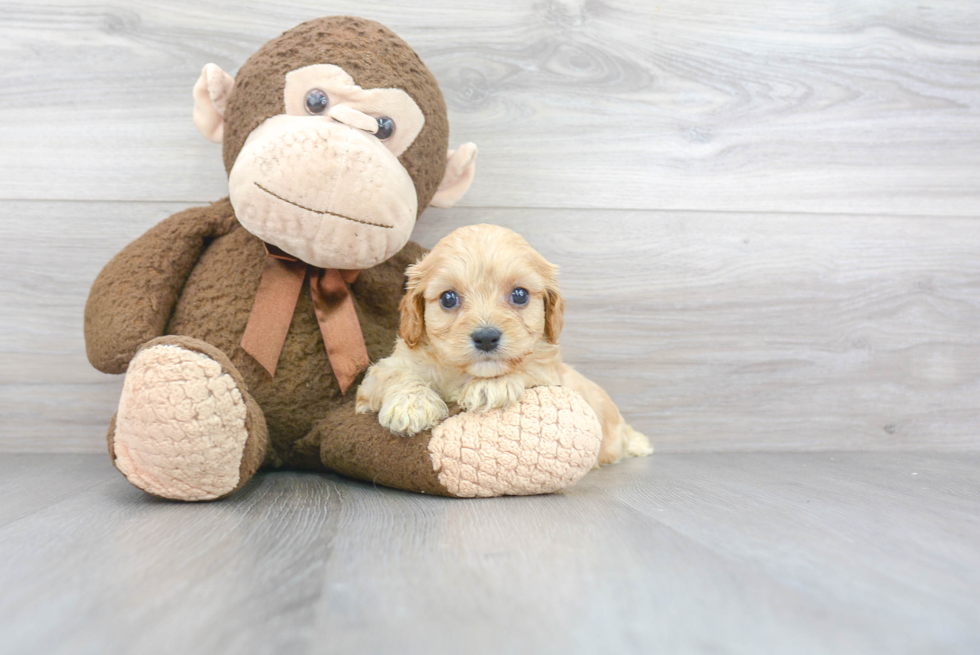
483 394
405 403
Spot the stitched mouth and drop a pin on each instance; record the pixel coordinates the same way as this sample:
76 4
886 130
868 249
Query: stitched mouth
321 212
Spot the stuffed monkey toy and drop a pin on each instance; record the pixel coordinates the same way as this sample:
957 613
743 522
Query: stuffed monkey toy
244 327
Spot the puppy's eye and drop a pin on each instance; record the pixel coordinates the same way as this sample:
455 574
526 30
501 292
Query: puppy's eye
448 299
519 296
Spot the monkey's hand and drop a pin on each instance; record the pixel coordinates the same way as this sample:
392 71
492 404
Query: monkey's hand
484 394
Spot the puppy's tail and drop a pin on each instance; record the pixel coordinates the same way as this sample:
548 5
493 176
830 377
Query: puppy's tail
637 445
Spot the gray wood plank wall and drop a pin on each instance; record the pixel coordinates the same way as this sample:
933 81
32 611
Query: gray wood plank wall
767 214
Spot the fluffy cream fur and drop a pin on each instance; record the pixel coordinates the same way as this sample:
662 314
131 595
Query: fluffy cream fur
435 360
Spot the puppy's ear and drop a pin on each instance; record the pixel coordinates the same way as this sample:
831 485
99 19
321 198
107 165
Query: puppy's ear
412 323
554 304
554 314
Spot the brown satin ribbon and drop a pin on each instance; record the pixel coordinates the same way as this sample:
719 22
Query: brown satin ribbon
275 303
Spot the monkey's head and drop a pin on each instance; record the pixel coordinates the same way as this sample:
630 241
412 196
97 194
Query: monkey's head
335 139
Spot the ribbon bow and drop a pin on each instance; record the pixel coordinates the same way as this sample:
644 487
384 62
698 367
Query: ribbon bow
275 302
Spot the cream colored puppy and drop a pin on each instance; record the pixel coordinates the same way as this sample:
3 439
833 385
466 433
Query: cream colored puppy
479 325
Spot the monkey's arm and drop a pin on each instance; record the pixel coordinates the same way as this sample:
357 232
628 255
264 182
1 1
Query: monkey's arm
132 298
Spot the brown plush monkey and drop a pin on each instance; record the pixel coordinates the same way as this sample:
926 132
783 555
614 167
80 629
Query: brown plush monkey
242 325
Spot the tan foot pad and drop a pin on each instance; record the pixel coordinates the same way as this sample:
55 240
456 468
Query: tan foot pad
180 429
544 443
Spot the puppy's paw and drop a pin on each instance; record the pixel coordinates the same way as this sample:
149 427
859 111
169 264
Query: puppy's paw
410 412
484 394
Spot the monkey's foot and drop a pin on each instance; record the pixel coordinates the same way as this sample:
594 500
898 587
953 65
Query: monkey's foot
185 428
540 445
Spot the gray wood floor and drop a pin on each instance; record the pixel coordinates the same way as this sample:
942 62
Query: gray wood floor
682 553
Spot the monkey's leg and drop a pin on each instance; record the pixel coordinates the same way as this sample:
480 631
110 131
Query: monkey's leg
186 427
540 445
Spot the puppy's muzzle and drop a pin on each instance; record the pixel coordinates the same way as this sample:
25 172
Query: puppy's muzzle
486 339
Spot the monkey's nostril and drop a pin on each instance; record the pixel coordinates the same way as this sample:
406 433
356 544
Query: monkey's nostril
486 338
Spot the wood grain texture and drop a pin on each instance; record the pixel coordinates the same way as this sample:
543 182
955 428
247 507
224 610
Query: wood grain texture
209 580
869 107
31 484
685 553
711 331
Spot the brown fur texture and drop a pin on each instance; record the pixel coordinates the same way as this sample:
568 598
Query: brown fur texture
210 305
132 299
357 448
374 56
214 307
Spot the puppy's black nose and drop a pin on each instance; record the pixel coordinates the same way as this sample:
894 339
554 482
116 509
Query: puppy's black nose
486 338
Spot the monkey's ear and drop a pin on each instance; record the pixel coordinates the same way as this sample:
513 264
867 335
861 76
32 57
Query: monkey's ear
460 168
211 94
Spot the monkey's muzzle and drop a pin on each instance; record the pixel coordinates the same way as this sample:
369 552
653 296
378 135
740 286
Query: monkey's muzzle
331 195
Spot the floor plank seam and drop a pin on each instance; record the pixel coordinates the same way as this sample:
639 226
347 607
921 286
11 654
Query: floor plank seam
582 208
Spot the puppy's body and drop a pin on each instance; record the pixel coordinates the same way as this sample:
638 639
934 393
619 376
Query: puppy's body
479 325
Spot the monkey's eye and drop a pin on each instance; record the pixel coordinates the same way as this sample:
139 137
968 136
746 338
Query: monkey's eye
386 127
448 299
317 102
519 296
